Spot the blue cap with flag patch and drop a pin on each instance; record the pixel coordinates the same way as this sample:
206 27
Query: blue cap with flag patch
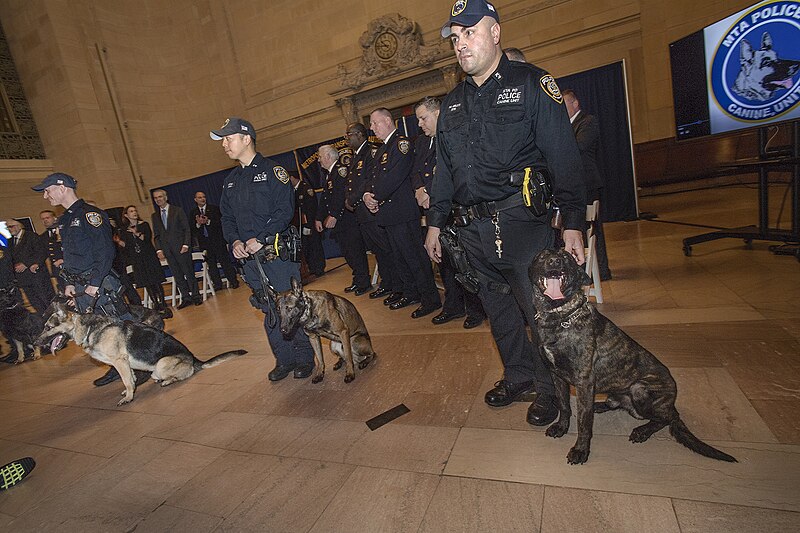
467 13
57 178
234 125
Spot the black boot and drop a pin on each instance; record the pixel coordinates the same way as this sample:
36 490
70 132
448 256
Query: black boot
109 377
158 298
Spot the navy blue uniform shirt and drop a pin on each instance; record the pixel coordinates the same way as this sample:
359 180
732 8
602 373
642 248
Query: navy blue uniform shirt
86 241
257 201
391 181
333 194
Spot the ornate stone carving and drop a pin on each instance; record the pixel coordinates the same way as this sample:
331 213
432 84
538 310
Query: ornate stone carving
450 73
348 108
391 44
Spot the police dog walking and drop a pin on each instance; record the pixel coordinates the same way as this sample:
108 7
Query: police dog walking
587 350
126 346
322 314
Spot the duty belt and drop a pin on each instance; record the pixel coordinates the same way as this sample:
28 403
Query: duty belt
489 209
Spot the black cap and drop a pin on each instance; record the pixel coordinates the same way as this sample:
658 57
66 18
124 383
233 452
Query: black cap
57 178
467 13
234 125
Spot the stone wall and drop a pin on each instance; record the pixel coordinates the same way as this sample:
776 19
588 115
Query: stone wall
177 69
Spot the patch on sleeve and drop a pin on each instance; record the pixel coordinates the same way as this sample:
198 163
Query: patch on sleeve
94 218
550 87
281 174
343 172
404 146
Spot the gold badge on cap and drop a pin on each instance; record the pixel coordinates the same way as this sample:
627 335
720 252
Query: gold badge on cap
227 121
459 7
550 87
281 174
94 218
404 146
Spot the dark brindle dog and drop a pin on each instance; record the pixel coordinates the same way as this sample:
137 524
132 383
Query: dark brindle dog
322 314
590 352
20 326
126 346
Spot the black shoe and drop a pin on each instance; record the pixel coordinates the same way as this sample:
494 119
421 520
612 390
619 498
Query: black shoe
543 411
350 288
280 372
165 312
403 302
303 370
362 290
424 310
109 377
10 359
141 376
392 298
380 292
444 317
185 303
505 392
605 276
473 322
234 285
198 301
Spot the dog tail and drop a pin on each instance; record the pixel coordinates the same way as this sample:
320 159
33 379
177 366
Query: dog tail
221 358
682 434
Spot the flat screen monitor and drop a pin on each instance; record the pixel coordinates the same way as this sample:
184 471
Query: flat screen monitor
740 72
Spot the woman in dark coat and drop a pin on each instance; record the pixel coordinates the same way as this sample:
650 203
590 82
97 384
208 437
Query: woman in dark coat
147 269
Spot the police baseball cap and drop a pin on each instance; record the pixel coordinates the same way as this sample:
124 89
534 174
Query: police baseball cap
234 125
468 13
57 178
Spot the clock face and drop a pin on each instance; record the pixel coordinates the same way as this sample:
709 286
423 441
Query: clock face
386 45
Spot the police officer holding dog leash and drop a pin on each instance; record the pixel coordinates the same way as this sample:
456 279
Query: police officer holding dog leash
503 141
257 206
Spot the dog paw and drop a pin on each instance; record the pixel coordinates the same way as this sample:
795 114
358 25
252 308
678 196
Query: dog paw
338 364
349 377
638 436
317 379
363 364
123 401
577 456
557 430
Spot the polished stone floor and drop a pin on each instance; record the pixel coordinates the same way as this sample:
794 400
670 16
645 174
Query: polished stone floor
229 451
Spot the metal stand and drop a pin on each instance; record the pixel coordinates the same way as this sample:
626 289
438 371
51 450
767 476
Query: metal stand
763 232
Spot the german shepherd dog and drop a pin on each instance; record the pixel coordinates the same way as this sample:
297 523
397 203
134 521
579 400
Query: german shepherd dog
322 314
20 326
762 72
587 350
126 346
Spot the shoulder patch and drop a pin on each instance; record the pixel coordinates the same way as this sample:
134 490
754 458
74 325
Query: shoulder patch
404 146
281 174
343 171
94 218
550 87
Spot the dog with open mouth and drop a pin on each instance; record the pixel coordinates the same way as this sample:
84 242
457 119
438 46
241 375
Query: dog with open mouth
585 349
126 346
20 326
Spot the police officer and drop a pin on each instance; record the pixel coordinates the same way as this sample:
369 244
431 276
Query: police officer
390 197
306 200
504 118
257 206
343 223
457 302
374 236
88 255
54 252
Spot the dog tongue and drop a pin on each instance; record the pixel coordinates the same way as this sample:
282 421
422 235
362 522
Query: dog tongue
787 83
54 343
553 290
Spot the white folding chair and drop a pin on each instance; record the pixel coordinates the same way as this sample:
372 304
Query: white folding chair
202 275
592 268
171 295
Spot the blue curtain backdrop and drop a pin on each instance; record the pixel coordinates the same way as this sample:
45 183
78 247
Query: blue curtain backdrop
602 93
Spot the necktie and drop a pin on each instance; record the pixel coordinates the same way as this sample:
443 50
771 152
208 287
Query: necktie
164 216
205 227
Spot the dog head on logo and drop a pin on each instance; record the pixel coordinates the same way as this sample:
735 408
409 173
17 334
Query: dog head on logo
762 72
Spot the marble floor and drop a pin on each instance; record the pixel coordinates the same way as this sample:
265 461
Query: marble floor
229 451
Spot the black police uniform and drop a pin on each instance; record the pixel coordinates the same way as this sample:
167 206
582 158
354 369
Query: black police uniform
54 253
306 199
516 119
374 236
88 255
258 202
346 231
456 300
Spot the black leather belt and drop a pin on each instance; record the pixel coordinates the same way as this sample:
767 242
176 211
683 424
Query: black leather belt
489 209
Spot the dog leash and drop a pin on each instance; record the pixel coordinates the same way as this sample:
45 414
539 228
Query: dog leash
268 290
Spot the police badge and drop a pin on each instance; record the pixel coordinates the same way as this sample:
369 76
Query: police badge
404 146
94 218
343 172
281 174
550 87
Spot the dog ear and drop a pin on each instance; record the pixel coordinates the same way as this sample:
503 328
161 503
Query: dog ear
766 41
297 287
746 52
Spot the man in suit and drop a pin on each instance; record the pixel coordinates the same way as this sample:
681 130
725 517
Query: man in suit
389 195
52 236
29 253
173 238
207 229
342 222
305 198
587 133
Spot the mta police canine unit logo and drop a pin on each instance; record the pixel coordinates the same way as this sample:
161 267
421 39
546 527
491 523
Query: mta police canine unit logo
753 75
